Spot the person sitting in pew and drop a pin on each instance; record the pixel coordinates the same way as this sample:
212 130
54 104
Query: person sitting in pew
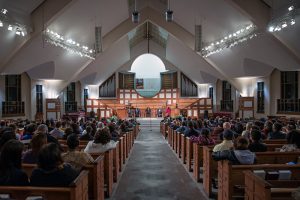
87 134
113 132
101 143
240 155
256 145
227 143
226 126
191 131
293 142
77 159
51 169
277 134
247 133
182 128
11 173
37 142
204 138
6 136
28 131
68 131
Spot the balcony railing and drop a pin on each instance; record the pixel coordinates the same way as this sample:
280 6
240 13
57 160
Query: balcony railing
70 106
288 105
13 108
227 105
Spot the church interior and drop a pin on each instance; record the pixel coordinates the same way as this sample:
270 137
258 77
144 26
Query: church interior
150 99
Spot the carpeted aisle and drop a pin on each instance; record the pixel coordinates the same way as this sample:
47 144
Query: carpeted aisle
153 172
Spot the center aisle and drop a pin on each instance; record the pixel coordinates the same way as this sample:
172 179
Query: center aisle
153 172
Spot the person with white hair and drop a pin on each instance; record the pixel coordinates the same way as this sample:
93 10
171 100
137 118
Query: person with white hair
246 133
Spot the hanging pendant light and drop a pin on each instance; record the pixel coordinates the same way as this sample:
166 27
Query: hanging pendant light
169 13
135 14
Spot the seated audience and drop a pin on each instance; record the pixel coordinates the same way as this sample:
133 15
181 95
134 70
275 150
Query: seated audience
204 138
56 132
11 173
28 131
182 128
37 142
87 134
246 133
114 134
277 134
293 140
191 131
102 142
227 143
267 129
51 170
226 126
240 155
256 144
77 159
68 131
7 135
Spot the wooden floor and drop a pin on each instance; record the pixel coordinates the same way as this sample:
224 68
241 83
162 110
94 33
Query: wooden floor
153 172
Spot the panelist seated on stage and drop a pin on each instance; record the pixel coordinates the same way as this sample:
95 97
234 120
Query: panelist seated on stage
148 112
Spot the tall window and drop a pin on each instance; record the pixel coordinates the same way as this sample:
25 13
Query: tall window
188 87
260 97
226 102
289 101
71 104
39 98
289 85
211 93
85 96
13 104
108 88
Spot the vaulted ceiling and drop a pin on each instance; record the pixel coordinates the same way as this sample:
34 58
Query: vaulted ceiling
123 40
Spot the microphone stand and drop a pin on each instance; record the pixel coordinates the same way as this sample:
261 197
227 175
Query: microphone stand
150 121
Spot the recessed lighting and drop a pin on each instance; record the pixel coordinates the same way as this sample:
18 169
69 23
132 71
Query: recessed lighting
271 28
1 24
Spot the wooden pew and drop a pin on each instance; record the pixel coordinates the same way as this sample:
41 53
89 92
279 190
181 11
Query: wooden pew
95 177
178 145
116 162
108 170
121 153
189 154
257 188
175 141
210 167
281 141
183 148
78 190
229 176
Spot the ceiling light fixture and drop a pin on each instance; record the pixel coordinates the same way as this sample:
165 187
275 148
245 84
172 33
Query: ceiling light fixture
230 40
4 11
169 13
68 44
283 19
12 24
135 14
9 28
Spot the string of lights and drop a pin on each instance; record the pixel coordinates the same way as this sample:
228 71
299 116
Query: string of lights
68 44
283 21
6 21
231 40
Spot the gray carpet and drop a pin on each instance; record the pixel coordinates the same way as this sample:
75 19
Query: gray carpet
154 173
